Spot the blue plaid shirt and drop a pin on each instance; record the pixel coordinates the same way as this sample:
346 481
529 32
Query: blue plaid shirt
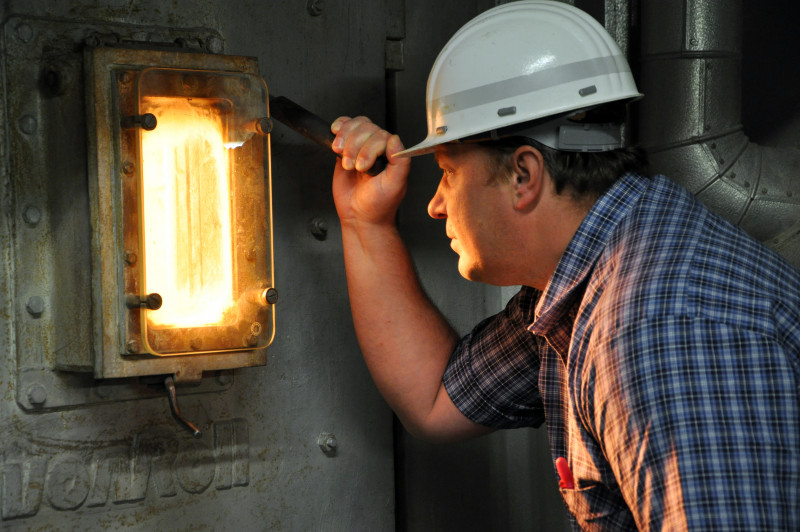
665 358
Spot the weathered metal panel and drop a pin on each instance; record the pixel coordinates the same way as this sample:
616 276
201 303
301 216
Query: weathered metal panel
122 463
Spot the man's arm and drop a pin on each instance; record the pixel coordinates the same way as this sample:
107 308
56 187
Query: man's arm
406 342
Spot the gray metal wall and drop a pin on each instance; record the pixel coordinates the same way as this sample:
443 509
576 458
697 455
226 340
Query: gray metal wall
125 465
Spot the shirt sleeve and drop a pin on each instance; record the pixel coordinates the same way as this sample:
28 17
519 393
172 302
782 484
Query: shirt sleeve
493 373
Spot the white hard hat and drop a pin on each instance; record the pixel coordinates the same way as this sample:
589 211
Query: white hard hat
524 61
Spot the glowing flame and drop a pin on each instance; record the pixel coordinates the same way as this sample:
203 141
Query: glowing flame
187 213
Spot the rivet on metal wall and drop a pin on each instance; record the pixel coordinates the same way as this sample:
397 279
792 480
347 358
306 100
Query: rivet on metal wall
319 228
24 33
128 168
32 215
315 7
132 346
327 443
28 124
35 306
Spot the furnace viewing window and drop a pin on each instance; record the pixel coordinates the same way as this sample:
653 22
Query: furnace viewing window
182 212
202 238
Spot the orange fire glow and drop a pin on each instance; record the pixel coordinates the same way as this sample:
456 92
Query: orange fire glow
187 213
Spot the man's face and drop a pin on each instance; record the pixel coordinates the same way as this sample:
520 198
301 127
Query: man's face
475 211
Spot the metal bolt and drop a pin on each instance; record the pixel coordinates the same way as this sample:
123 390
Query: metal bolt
214 44
37 394
327 443
130 258
318 228
132 346
196 343
251 340
35 306
24 33
315 7
32 215
264 125
147 121
128 168
93 41
271 295
151 301
224 378
28 124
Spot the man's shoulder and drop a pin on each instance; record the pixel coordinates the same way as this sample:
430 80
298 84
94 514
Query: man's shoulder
671 251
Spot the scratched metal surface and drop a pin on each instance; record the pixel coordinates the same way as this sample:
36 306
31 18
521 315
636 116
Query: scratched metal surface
82 454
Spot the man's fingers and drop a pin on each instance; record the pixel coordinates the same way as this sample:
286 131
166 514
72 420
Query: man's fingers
358 141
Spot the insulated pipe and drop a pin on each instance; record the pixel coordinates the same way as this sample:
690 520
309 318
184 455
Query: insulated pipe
690 121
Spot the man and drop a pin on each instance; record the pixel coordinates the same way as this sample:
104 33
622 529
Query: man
660 344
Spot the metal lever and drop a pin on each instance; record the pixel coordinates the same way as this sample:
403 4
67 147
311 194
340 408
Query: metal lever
169 382
311 126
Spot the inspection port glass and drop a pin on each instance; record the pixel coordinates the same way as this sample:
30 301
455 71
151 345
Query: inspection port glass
205 244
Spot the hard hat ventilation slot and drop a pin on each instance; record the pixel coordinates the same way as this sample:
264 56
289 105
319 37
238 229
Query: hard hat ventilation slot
507 111
586 91
441 130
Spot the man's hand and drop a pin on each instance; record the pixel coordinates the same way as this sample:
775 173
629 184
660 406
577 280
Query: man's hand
360 197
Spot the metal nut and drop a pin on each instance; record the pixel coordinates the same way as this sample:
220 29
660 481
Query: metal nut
37 394
318 227
327 443
214 44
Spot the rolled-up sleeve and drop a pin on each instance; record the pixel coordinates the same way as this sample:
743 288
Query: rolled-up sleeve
493 373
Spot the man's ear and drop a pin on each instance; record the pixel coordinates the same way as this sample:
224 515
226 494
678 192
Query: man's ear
528 175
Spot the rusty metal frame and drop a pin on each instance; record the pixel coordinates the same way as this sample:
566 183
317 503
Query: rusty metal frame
117 339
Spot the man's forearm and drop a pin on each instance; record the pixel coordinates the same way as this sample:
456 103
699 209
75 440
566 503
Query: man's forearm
406 342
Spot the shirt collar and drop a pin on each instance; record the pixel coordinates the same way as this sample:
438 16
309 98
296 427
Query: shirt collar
568 281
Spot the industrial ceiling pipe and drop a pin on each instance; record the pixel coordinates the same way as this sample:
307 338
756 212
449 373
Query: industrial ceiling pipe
690 121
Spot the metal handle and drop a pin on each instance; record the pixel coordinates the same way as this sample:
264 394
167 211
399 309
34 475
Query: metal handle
311 126
169 382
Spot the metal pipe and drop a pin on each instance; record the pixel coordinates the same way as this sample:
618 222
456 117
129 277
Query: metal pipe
691 124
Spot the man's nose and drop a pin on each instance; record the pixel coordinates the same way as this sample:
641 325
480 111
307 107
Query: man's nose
436 205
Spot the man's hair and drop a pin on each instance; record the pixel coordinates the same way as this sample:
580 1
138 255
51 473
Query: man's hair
582 175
